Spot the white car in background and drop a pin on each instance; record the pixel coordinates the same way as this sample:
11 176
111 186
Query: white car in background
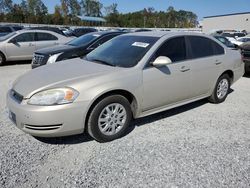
21 45
234 37
244 39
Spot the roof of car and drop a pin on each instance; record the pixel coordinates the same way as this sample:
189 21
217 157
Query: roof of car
163 33
35 30
107 32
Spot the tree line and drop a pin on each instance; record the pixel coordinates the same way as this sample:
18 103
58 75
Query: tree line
35 11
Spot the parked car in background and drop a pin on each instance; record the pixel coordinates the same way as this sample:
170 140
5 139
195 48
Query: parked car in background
244 39
80 31
232 37
225 41
245 51
142 30
54 29
6 29
130 76
21 45
78 47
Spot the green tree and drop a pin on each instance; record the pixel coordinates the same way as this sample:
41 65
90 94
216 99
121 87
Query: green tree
91 7
57 16
112 15
6 6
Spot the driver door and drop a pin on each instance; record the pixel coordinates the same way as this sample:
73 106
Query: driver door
168 84
21 47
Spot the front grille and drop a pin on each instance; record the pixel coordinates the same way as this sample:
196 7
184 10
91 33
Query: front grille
43 127
38 59
16 96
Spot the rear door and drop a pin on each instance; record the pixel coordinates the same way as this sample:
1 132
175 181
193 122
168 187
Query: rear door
206 58
21 47
44 39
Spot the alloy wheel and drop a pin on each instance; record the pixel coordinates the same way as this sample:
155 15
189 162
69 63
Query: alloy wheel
222 88
112 119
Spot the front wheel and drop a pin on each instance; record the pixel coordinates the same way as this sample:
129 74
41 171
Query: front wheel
110 118
221 90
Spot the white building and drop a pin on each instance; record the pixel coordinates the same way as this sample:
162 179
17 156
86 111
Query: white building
238 21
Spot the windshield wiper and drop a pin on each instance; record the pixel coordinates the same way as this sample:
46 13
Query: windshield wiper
102 62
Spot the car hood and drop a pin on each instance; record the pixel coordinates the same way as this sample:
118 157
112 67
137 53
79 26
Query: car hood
59 75
245 46
57 49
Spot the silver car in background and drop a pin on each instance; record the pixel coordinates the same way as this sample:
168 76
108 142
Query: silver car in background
21 45
130 76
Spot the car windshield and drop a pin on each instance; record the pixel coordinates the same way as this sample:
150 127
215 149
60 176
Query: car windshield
5 37
83 40
122 51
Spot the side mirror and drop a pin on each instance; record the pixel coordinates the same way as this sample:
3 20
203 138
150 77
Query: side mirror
161 61
13 41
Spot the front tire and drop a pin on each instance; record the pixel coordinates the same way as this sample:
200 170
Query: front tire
110 118
221 90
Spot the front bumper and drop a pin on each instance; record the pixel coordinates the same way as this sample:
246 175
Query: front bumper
48 121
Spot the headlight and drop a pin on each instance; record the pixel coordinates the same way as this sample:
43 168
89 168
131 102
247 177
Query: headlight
53 58
54 97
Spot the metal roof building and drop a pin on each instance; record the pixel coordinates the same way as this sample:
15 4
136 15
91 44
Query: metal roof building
91 19
237 21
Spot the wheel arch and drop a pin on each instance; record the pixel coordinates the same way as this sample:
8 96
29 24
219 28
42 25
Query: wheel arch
128 95
4 56
230 73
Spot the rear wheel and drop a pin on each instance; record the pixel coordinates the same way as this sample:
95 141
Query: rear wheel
110 118
221 90
2 59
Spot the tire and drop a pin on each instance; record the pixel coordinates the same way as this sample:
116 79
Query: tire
2 59
223 84
105 122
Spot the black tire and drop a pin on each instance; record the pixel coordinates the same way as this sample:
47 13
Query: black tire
214 97
2 59
92 124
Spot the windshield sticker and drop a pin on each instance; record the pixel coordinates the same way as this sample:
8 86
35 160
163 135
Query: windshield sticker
96 35
140 44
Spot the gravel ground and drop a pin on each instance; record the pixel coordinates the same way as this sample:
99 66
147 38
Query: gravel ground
197 145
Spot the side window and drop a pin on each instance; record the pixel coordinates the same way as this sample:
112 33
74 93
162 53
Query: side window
5 29
200 47
218 49
45 37
174 48
26 37
102 40
17 28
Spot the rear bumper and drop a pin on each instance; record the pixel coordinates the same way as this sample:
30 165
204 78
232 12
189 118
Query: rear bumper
48 121
247 65
239 72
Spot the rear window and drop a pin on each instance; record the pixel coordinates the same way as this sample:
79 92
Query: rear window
204 47
45 37
5 29
17 28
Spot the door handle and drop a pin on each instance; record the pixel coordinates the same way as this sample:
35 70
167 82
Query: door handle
217 62
30 44
184 69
